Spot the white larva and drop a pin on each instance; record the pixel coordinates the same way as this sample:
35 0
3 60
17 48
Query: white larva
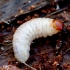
27 32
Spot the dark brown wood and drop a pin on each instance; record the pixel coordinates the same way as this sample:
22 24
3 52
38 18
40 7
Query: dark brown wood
10 8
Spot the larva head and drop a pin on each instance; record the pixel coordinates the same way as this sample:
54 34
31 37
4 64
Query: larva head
58 25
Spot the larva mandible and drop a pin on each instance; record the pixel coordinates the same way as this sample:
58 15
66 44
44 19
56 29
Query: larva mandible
30 30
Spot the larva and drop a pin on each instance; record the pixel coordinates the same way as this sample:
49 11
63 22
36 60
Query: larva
30 30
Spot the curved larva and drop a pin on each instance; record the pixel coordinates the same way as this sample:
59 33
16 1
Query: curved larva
27 32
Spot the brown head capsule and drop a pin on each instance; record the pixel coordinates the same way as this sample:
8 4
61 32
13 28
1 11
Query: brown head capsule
58 25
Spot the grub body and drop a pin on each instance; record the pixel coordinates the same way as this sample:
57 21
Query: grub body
27 32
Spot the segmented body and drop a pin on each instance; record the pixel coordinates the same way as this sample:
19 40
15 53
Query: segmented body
27 32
